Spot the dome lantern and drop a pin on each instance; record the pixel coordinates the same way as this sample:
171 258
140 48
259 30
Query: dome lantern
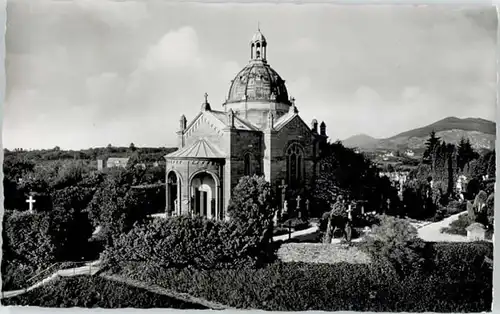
258 47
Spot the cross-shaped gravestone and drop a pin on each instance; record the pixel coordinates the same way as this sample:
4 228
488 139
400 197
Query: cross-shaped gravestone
298 202
283 187
349 212
31 200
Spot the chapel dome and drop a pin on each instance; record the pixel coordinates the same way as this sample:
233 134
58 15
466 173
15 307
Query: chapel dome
258 82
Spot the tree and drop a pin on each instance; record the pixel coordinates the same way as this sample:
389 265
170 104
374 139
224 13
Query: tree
343 172
465 153
395 241
115 207
132 147
490 209
251 213
418 199
491 171
480 208
431 144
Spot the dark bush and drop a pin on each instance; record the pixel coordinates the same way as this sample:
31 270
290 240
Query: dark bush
395 243
303 287
296 224
93 292
183 241
459 226
455 207
174 242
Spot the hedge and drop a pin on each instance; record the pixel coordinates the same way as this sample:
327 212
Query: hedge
92 292
187 242
458 281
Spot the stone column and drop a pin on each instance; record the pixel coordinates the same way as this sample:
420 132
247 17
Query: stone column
167 195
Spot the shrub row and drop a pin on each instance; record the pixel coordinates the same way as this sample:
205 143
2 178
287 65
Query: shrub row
342 286
95 292
183 241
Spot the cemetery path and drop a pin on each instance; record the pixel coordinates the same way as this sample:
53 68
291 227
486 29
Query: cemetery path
167 292
88 269
432 231
93 268
301 233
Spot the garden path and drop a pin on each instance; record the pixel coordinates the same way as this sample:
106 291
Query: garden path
93 268
167 292
89 269
432 232
302 233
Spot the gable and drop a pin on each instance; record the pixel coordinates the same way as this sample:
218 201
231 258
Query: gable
296 126
204 124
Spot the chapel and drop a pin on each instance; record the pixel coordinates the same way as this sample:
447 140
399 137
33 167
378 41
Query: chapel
257 130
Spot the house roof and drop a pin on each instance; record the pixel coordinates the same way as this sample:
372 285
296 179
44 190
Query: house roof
201 148
475 226
118 159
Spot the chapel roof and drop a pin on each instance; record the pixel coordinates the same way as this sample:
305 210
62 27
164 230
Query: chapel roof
201 148
258 36
239 123
257 81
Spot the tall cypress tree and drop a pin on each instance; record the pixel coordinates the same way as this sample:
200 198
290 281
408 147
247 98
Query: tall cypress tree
432 142
492 165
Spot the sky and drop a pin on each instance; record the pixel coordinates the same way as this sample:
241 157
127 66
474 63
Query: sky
89 73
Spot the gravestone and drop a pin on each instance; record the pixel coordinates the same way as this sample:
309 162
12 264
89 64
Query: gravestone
476 232
30 201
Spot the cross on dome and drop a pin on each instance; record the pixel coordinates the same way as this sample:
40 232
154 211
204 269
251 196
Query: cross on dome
206 97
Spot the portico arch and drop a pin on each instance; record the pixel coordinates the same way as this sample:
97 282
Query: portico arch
173 191
204 191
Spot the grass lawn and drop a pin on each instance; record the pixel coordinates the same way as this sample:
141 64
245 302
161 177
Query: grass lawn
300 287
92 292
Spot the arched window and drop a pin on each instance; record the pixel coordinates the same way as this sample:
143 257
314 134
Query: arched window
248 164
295 164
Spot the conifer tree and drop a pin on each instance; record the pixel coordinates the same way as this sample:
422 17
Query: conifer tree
491 165
431 144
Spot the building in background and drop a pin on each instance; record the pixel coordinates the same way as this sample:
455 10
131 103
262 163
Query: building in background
258 132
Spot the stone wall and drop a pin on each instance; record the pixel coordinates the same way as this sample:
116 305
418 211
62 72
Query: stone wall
321 253
245 142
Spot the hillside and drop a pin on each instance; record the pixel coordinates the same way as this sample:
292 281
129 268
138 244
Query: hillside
481 133
361 140
452 123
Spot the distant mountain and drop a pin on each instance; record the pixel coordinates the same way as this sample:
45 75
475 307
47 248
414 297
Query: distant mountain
452 123
362 141
481 133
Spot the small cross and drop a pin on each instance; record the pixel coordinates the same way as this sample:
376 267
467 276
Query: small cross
283 185
349 212
292 99
206 98
30 200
